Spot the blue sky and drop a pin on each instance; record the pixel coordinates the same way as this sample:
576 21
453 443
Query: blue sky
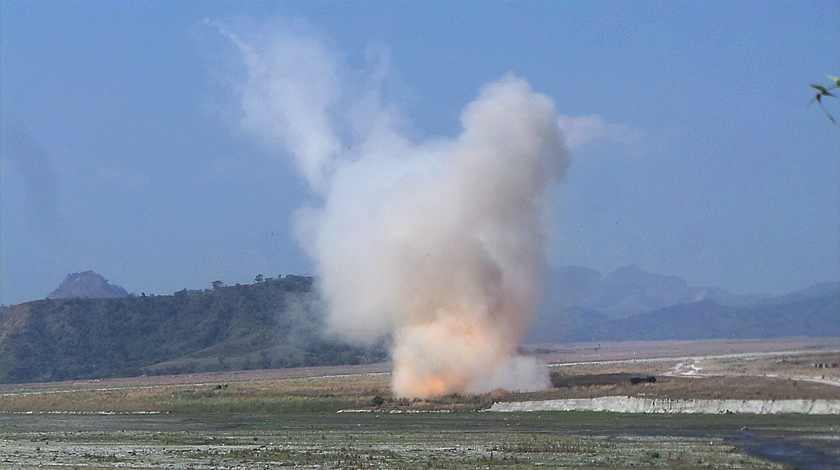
693 149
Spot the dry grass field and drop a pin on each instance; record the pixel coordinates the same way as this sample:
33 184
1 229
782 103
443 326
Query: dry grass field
287 418
771 370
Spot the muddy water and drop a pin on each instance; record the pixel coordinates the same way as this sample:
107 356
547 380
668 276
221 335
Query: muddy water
795 454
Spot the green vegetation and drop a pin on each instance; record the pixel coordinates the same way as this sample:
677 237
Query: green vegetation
274 323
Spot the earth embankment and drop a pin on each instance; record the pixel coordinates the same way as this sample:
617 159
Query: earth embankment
646 405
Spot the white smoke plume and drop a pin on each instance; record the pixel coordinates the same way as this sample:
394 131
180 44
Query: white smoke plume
580 131
437 244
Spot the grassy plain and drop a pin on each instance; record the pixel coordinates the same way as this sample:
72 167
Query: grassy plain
270 419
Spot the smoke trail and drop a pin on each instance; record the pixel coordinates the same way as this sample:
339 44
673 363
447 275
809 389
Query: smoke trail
23 149
437 244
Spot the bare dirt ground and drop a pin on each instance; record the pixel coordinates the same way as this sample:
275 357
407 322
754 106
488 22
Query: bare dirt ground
777 367
413 441
286 418
196 379
669 350
622 355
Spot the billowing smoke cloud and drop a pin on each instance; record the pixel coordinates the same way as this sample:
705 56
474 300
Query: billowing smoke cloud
438 244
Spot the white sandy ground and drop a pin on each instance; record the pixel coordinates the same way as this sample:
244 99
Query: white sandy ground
746 355
686 367
649 405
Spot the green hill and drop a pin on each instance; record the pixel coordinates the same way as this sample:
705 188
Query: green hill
270 324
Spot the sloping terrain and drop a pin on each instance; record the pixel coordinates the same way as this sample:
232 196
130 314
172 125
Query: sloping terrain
707 319
630 290
814 311
275 323
86 284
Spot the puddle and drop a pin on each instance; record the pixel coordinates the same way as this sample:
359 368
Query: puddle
794 454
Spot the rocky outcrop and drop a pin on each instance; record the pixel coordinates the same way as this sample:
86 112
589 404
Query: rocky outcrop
87 284
651 405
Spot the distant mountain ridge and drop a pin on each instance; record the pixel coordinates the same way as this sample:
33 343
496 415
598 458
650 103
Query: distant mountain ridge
87 284
632 304
629 291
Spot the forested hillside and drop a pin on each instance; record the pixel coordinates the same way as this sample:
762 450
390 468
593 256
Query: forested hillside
273 323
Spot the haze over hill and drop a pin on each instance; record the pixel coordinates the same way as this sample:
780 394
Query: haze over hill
632 304
86 284
629 291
